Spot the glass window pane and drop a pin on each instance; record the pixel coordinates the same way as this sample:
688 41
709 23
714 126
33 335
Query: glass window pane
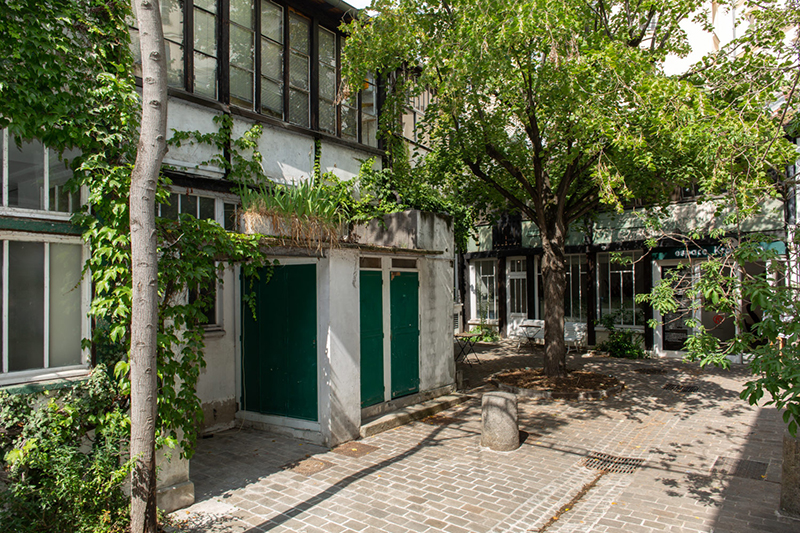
230 217
298 71
61 198
205 32
136 50
299 34
25 305
327 82
327 47
241 87
174 64
172 20
205 75
65 304
189 204
271 98
271 60
349 122
241 48
242 12
327 117
26 175
208 5
272 21
207 209
170 210
298 107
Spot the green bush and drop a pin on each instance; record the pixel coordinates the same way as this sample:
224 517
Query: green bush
64 458
623 343
487 334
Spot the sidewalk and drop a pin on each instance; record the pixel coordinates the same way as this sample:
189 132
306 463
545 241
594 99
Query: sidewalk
709 462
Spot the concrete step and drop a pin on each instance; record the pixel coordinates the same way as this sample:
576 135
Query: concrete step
410 413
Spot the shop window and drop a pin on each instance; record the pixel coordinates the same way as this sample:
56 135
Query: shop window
618 285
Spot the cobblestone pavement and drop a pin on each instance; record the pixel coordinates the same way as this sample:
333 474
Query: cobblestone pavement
710 463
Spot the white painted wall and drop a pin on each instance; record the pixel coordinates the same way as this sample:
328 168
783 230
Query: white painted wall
288 156
343 161
340 343
185 116
216 386
436 363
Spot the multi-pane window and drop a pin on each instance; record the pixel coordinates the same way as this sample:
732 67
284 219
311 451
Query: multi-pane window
172 24
299 69
369 112
517 286
242 53
485 290
42 305
35 177
575 302
200 207
618 284
328 81
273 52
204 80
271 59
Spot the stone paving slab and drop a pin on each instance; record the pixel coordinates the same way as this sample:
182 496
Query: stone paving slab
434 476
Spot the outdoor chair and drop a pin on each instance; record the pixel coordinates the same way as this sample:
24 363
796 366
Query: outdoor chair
574 336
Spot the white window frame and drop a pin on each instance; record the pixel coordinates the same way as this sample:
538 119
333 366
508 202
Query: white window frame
473 275
24 212
44 373
570 260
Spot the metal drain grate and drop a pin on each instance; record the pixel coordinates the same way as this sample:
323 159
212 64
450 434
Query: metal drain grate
611 463
354 449
651 371
677 387
743 468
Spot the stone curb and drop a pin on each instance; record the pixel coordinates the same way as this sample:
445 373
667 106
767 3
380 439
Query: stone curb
550 395
409 414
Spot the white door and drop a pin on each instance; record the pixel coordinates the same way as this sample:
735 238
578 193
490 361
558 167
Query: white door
517 294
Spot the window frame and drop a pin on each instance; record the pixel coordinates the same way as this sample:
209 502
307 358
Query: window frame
45 372
630 268
25 212
318 22
475 277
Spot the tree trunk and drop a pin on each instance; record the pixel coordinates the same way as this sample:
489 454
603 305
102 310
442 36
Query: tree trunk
554 278
144 263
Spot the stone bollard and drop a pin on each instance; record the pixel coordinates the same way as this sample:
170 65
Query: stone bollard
499 427
790 475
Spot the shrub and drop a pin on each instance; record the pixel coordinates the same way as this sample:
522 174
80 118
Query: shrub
64 458
623 343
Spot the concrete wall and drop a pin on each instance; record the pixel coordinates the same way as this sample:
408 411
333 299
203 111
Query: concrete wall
412 229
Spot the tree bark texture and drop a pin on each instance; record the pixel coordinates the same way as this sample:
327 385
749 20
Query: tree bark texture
144 260
554 279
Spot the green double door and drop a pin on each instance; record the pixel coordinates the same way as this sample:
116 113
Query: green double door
279 346
404 335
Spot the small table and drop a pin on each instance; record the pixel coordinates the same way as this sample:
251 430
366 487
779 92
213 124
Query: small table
530 330
466 346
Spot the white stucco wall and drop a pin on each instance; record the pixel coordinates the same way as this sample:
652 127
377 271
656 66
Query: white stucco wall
436 363
216 386
343 161
288 156
340 346
185 116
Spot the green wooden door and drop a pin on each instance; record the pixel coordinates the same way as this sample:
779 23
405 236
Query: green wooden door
279 346
404 308
371 298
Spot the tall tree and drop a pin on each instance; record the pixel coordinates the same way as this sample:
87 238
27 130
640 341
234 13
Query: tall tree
550 108
144 264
